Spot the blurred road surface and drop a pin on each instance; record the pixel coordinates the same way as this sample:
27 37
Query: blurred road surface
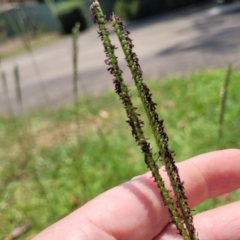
172 44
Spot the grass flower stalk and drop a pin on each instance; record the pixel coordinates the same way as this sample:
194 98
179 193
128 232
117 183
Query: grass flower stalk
161 138
75 36
185 227
223 99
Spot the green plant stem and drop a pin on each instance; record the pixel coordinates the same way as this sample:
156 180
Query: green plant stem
18 87
134 121
75 33
6 91
157 125
223 99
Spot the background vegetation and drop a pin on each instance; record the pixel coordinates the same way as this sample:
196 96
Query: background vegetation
40 18
135 9
53 161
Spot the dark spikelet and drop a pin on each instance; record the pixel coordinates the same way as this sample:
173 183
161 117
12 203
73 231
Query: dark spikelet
107 62
95 18
93 13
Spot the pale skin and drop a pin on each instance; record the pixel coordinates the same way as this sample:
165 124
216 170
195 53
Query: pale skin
134 210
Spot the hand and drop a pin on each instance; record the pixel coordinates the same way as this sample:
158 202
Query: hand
134 210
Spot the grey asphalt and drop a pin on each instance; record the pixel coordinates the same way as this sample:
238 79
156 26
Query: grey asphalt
177 43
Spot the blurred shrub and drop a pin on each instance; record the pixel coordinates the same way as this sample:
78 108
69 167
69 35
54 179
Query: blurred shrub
3 34
137 9
128 10
69 13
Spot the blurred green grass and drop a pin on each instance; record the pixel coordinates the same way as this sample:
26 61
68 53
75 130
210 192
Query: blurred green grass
51 163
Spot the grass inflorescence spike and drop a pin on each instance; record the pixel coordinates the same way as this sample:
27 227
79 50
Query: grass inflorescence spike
165 154
185 227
